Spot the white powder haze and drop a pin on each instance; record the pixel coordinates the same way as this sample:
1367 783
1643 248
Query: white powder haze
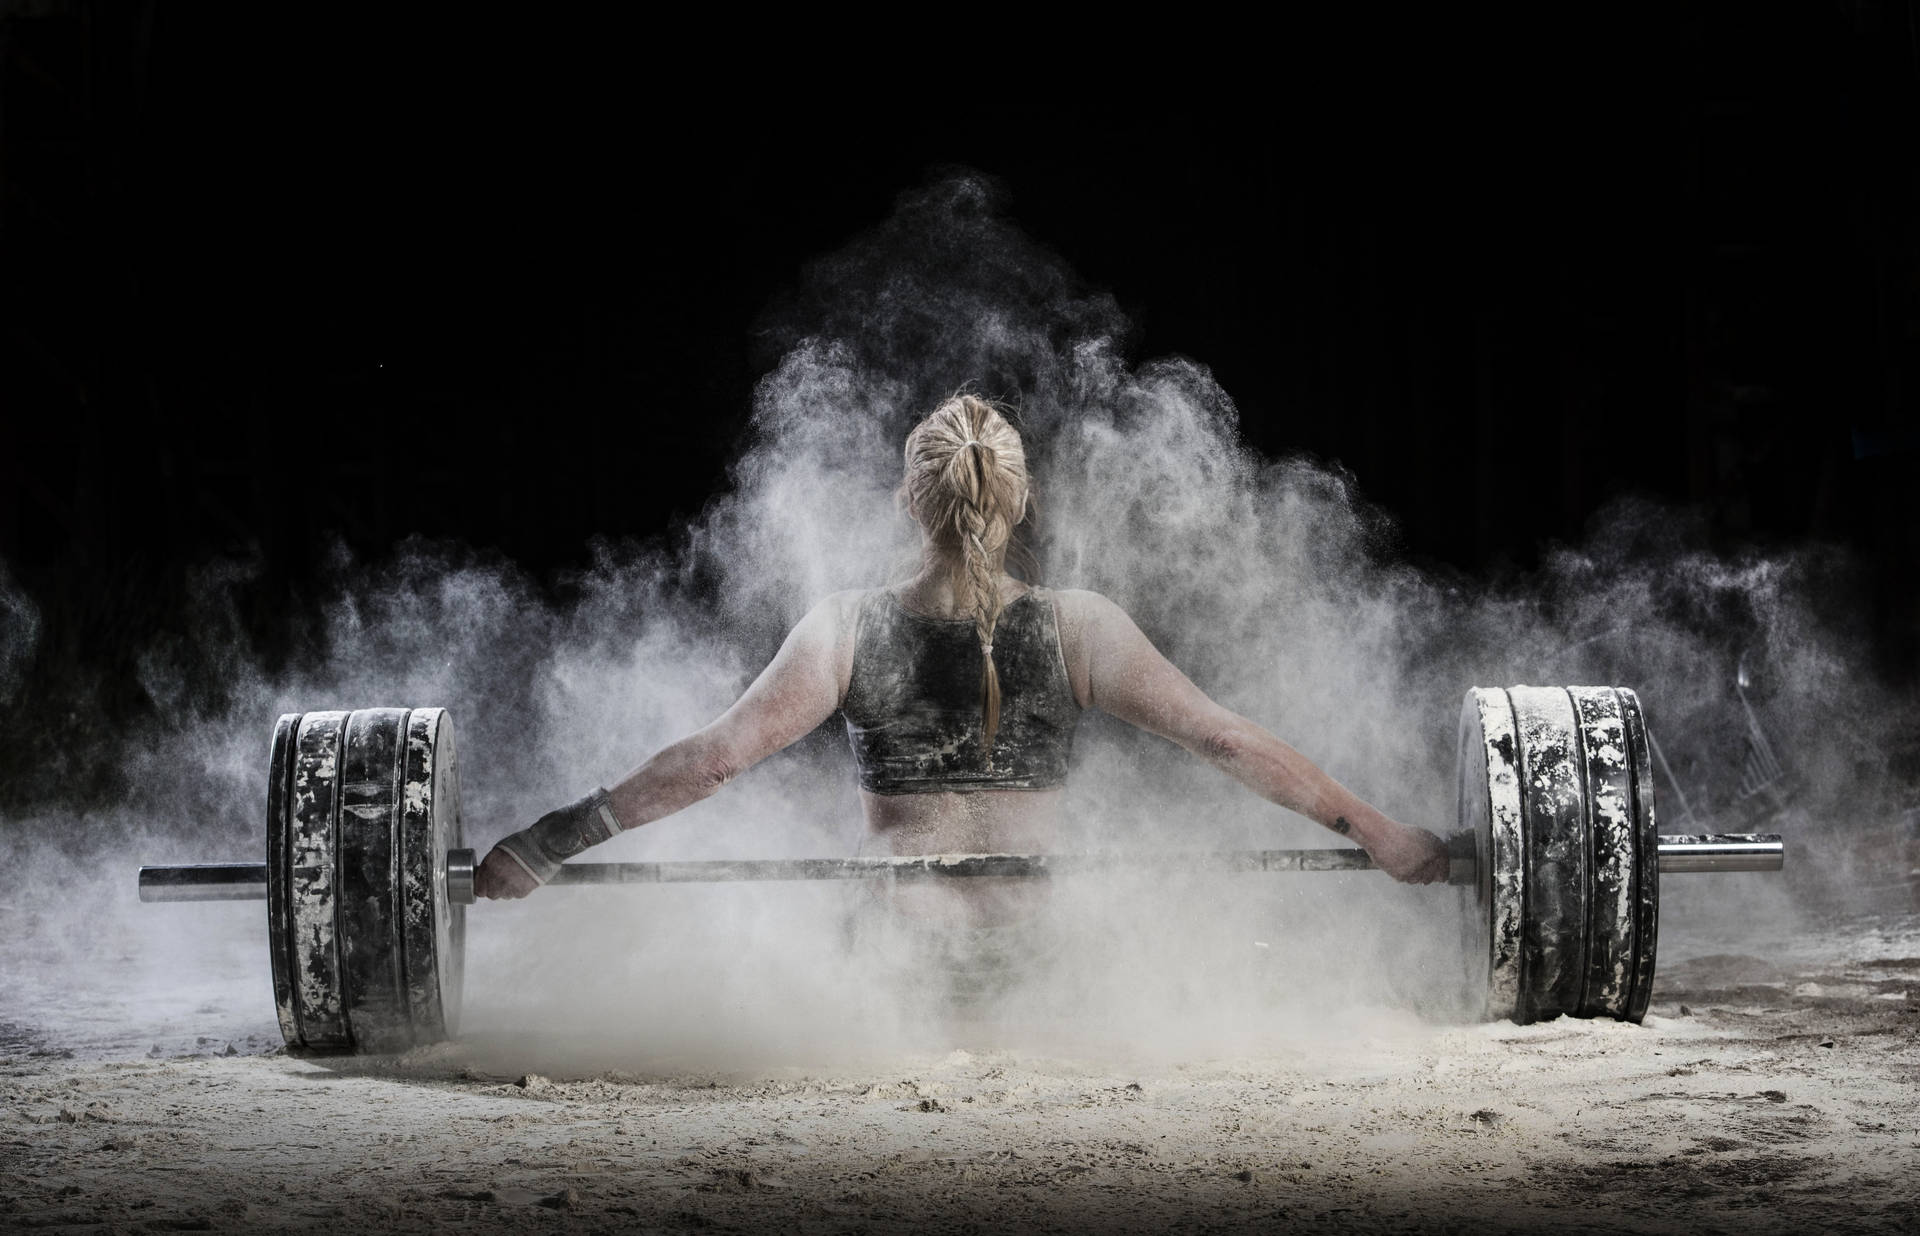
19 634
1272 584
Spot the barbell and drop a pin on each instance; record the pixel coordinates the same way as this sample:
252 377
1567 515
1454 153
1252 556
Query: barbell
367 878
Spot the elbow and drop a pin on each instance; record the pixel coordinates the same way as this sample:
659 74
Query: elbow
700 766
712 770
1223 747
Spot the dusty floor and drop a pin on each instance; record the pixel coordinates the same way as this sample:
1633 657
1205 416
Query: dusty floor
1776 1088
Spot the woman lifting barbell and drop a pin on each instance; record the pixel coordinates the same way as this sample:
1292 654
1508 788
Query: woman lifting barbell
961 689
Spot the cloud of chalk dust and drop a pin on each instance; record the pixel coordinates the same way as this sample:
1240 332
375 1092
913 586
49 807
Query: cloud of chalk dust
1271 583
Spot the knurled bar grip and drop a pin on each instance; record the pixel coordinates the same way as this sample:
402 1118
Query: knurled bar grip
248 881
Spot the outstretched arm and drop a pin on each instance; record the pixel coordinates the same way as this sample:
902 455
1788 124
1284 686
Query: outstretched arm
1115 668
797 691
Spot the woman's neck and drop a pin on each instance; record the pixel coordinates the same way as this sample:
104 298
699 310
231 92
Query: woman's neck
942 588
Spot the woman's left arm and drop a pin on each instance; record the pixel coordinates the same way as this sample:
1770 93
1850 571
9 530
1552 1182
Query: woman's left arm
1115 668
799 689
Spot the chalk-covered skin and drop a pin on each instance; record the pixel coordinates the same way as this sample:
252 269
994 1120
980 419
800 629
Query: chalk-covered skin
1112 666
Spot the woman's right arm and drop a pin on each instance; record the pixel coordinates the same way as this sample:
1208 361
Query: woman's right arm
1115 668
799 689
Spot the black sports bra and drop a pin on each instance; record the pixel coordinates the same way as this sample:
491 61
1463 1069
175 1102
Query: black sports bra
913 702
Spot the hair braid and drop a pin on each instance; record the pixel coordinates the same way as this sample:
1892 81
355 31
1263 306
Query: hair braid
984 583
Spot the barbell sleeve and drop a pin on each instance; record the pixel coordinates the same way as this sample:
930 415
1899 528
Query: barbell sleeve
205 882
1710 852
1722 852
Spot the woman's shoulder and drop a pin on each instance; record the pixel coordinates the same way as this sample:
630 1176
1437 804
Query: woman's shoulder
1091 620
847 604
1081 603
835 614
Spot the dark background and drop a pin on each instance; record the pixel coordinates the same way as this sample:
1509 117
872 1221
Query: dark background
1504 272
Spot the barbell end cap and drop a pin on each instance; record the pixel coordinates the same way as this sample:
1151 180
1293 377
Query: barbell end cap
460 864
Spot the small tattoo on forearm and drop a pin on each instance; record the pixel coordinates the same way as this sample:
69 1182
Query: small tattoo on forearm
1341 826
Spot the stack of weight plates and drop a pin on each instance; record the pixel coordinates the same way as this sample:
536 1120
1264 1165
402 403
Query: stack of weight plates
1555 787
361 810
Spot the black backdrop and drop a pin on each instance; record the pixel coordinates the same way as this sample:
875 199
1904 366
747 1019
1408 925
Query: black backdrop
1502 272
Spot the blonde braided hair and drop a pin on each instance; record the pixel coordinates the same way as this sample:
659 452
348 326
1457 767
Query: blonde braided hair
966 483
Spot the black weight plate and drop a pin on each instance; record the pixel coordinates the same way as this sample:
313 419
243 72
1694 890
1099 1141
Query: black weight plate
279 897
1646 859
372 773
1610 830
1553 794
1487 795
433 929
312 871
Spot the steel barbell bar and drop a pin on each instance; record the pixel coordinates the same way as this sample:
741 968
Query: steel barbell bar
248 881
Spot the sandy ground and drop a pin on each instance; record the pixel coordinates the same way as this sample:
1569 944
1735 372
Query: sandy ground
1777 1087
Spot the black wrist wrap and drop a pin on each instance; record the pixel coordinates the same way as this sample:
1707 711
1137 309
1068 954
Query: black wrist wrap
559 835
